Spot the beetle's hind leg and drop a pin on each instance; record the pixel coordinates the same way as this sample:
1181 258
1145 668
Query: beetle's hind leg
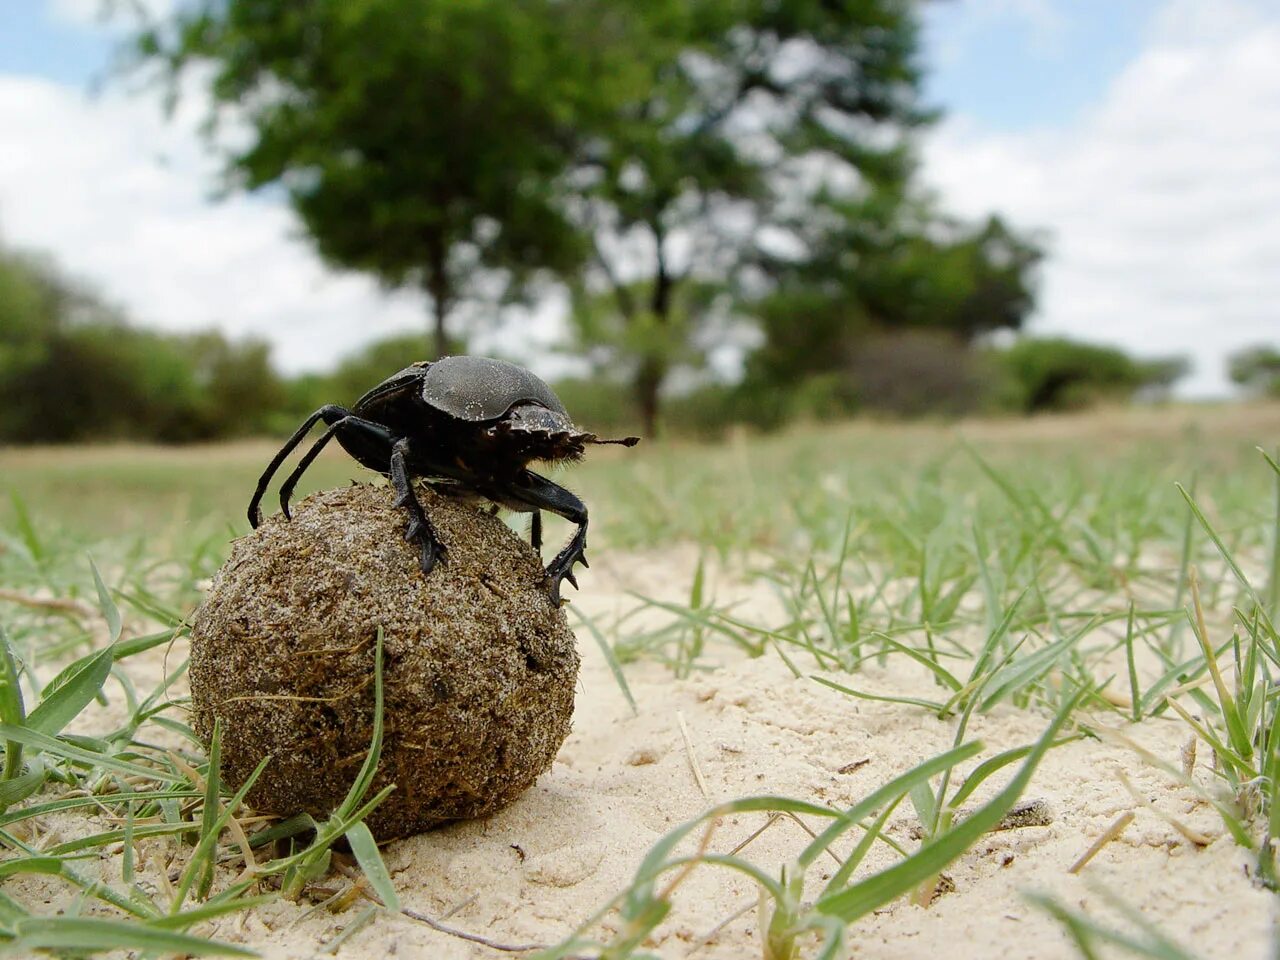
350 427
330 414
419 530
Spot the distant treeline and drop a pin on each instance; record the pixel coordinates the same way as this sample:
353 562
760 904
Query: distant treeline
689 176
72 369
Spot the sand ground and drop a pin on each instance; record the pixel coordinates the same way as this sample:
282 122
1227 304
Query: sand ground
531 873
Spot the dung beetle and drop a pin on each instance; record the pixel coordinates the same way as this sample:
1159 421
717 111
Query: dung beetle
468 425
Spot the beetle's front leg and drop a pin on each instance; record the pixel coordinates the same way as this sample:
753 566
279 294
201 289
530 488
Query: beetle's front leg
419 530
541 494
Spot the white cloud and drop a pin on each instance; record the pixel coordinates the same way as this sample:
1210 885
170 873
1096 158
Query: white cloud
1162 202
121 198
96 13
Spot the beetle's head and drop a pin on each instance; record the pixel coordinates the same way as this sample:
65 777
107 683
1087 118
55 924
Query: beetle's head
531 431
533 418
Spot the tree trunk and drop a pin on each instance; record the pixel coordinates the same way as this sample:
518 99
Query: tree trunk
648 381
439 339
653 369
439 288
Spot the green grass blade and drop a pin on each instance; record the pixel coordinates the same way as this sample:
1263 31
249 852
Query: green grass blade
610 657
364 779
110 612
136 645
97 801
1011 678
17 789
890 792
367 855
208 911
944 677
12 710
60 748
63 701
209 815
1223 550
990 766
51 866
95 935
869 836
1135 691
206 849
27 531
1088 935
931 705
861 898
1273 587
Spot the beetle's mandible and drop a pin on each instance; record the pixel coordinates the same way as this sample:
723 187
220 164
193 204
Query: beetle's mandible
468 425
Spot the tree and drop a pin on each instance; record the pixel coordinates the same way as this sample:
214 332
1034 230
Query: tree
1059 374
1257 369
883 264
422 141
72 368
747 104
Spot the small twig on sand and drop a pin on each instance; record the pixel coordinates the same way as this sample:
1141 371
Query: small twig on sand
472 937
1117 827
52 604
693 757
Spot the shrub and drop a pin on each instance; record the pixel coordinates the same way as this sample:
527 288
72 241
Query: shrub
1257 369
920 372
1060 374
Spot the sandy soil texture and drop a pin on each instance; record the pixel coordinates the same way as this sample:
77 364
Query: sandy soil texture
531 873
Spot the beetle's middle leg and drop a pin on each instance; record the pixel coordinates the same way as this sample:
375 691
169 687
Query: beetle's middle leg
535 532
420 530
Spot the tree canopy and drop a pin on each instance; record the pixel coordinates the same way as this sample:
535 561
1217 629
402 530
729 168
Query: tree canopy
423 141
73 368
688 171
750 106
1256 369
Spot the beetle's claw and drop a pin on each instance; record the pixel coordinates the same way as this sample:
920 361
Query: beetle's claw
561 568
430 550
556 580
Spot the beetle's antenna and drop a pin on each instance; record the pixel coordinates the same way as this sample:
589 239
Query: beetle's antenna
624 441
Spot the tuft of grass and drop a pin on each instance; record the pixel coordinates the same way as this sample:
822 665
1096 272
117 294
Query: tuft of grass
788 917
156 792
1007 570
1089 936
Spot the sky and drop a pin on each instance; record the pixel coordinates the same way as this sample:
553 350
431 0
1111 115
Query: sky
1140 139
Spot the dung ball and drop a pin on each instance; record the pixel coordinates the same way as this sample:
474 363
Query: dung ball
479 668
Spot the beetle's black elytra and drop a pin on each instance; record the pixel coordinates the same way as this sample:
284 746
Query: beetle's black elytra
470 426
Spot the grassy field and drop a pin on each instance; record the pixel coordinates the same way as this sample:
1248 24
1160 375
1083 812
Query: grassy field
1067 546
